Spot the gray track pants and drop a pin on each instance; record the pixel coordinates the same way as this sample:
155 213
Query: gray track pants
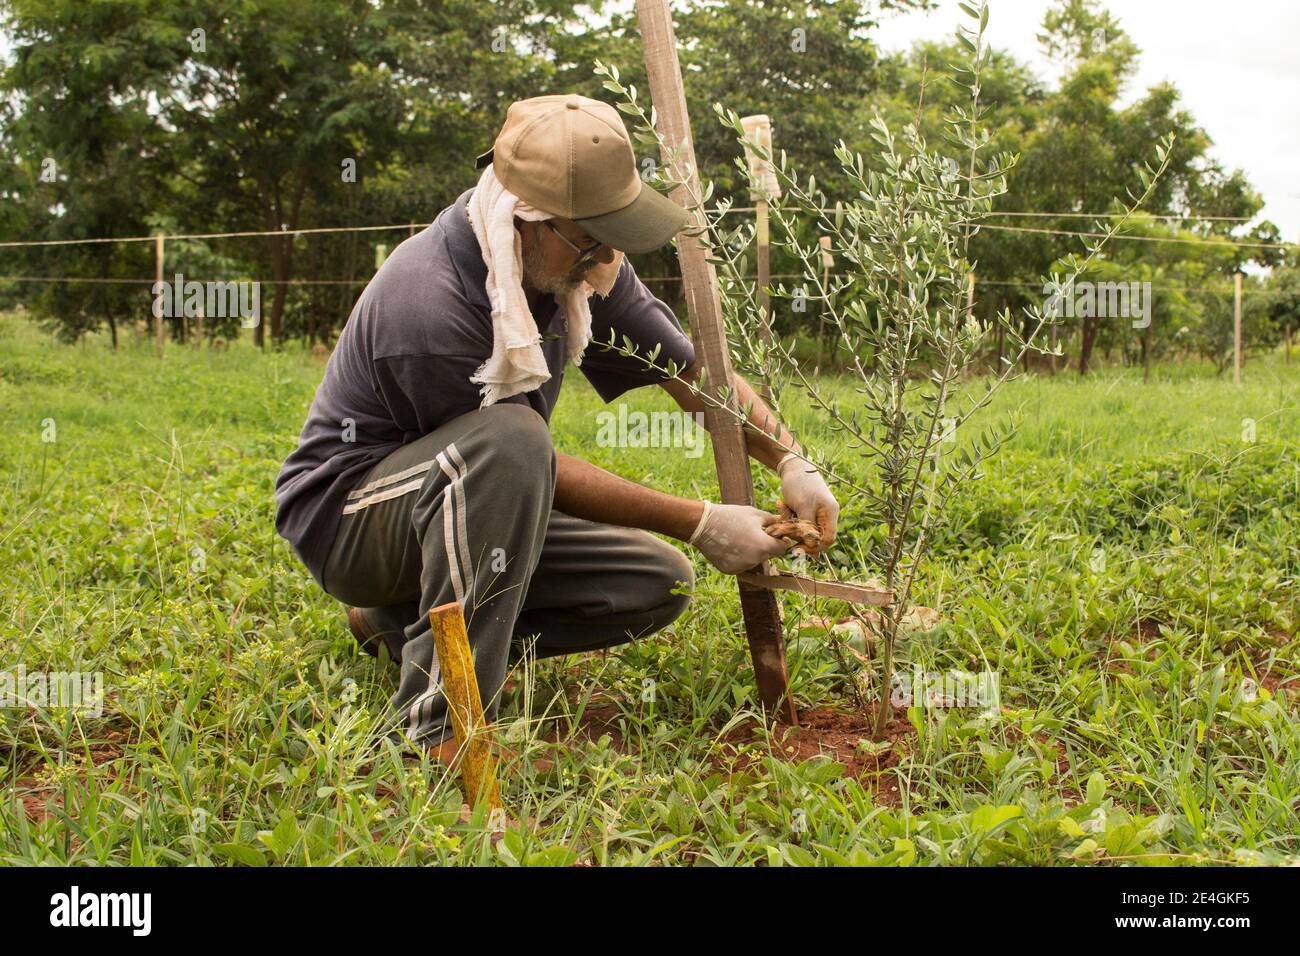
464 514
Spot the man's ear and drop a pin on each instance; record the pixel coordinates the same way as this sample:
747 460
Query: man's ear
527 231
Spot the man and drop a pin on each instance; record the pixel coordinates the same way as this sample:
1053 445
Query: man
425 471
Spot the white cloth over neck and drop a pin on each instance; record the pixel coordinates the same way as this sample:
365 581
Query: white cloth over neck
517 364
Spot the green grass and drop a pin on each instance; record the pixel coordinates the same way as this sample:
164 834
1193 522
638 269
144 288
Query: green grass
1125 566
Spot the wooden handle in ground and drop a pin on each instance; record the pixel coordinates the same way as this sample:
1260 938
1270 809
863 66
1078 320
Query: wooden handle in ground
464 706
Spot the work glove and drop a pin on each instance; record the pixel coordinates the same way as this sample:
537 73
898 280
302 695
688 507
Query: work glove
733 539
806 496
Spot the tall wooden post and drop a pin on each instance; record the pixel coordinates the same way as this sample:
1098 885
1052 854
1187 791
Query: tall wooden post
1236 327
700 285
158 277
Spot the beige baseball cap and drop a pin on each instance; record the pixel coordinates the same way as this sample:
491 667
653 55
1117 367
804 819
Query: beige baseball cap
571 156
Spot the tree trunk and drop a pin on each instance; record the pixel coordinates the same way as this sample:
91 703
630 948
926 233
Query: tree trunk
1146 353
280 271
1088 337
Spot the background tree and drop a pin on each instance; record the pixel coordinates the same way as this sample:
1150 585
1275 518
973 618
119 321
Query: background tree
1283 298
209 116
91 159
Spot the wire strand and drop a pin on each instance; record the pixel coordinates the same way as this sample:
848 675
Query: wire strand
326 230
1019 284
181 237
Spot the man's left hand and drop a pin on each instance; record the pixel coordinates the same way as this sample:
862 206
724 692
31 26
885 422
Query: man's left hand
805 493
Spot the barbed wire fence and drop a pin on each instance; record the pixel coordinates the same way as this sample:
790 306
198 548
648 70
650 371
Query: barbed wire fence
161 239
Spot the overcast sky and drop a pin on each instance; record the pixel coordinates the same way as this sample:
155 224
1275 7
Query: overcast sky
1236 64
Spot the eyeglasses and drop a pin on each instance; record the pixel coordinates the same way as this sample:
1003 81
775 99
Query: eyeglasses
584 255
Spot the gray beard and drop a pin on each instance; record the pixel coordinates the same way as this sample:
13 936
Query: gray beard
536 275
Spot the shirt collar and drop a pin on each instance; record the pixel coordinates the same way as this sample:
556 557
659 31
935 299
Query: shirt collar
466 256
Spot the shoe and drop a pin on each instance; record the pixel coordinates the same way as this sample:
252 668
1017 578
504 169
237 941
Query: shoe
368 640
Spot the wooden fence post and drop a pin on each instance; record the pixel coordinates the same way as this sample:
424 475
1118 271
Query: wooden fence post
1236 327
758 130
158 277
828 260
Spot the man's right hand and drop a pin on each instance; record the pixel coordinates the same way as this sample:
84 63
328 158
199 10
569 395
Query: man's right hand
733 539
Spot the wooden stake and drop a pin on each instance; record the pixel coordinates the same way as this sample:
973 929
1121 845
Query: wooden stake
1236 327
158 277
460 686
700 286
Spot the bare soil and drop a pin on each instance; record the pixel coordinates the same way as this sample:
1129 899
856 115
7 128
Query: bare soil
41 799
839 735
